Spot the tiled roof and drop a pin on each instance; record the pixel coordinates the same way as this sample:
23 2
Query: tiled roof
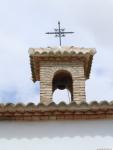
62 54
61 111
61 51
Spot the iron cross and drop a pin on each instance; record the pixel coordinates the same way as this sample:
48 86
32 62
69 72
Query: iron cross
59 32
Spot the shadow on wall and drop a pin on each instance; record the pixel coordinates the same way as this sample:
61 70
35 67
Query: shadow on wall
52 129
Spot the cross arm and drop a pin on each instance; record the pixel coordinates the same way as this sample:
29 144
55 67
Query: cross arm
66 32
52 33
59 33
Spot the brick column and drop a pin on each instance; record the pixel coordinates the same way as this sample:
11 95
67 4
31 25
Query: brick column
79 84
79 90
45 92
45 84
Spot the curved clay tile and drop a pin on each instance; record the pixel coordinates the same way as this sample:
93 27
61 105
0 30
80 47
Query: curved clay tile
72 103
62 104
111 103
83 104
52 104
93 103
41 107
30 107
104 103
2 108
9 107
51 53
20 107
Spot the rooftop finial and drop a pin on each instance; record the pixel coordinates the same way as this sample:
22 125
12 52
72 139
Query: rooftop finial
60 32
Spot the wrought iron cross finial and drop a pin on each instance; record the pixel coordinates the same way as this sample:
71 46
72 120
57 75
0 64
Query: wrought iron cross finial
59 32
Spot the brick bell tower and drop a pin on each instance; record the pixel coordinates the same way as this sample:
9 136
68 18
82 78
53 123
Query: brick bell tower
60 68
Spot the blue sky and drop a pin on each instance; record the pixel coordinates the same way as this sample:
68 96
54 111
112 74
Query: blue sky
23 25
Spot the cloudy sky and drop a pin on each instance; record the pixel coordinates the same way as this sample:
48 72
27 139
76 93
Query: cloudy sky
23 24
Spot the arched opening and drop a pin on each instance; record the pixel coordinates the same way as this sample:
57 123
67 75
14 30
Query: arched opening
62 86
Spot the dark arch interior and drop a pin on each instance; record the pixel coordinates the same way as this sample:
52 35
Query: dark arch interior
62 80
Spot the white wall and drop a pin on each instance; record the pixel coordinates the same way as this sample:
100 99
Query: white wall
57 135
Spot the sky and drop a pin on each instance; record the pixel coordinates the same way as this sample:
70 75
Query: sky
23 25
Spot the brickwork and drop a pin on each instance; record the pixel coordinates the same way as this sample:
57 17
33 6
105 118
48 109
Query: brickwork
47 71
61 67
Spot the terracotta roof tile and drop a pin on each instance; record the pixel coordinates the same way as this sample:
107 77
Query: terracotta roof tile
73 111
55 54
61 51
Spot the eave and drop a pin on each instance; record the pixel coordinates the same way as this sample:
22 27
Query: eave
62 111
60 54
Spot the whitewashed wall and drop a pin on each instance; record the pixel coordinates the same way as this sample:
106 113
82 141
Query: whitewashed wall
58 135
